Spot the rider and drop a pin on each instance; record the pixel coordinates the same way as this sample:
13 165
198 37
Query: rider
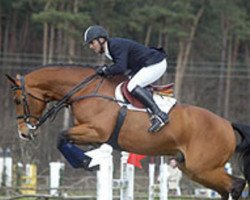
147 66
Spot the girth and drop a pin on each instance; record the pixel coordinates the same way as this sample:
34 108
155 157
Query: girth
113 140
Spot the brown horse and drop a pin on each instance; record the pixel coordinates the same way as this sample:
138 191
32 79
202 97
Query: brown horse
205 140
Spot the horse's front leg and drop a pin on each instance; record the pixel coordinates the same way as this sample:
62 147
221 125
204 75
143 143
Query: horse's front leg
86 134
81 134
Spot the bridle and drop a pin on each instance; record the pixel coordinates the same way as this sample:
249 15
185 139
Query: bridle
27 116
51 112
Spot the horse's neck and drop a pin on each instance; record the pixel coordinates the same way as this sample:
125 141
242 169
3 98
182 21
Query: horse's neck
55 83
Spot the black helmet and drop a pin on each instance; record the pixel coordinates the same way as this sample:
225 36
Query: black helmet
94 32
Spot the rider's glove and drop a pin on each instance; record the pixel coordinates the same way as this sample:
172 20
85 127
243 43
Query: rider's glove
103 71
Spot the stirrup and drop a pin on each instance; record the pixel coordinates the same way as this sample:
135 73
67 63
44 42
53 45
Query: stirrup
157 124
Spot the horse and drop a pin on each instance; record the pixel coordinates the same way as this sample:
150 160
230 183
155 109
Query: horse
204 140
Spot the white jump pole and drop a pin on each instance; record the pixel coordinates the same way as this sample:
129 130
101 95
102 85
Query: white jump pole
55 176
127 177
8 163
105 182
105 174
163 180
1 166
163 175
151 186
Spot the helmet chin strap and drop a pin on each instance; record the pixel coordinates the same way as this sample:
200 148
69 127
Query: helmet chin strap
102 50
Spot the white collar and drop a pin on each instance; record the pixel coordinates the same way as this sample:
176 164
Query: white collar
106 51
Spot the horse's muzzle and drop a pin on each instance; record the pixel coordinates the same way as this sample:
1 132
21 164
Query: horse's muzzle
29 132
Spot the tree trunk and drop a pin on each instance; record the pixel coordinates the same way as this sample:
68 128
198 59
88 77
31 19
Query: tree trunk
51 43
235 50
59 38
232 58
183 55
13 44
72 42
225 28
165 41
160 40
179 70
71 49
148 35
59 49
65 40
6 39
228 78
45 36
1 23
45 42
24 35
247 61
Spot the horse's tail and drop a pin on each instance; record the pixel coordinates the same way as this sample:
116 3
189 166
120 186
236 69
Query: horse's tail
243 147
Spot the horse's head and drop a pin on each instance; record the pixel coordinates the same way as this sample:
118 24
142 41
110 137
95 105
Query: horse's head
29 105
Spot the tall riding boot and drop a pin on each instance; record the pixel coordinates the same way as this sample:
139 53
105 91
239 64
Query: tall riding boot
160 118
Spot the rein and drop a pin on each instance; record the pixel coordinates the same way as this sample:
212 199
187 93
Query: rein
65 100
54 109
95 95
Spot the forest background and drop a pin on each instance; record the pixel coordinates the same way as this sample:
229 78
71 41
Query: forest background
208 45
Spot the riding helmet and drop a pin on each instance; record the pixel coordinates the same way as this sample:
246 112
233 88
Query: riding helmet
94 32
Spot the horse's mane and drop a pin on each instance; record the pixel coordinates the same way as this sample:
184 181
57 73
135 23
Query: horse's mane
75 67
66 65
54 66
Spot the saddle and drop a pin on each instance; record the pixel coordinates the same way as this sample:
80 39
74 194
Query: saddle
164 90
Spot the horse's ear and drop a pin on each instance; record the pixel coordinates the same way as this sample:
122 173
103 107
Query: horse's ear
12 80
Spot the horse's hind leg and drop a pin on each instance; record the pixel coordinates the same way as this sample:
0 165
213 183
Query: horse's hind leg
215 179
223 183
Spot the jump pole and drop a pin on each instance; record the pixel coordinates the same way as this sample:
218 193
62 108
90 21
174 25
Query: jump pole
163 175
105 181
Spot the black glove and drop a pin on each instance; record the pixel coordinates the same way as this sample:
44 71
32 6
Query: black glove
103 71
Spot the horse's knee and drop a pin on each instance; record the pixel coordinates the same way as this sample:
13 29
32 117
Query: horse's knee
237 188
62 138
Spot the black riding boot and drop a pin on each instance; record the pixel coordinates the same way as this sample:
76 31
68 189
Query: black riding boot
160 118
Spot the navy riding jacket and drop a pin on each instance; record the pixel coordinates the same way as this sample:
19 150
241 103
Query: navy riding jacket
128 54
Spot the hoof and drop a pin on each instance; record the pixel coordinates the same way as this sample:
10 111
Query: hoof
238 187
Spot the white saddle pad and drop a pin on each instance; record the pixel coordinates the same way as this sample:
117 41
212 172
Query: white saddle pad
165 103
